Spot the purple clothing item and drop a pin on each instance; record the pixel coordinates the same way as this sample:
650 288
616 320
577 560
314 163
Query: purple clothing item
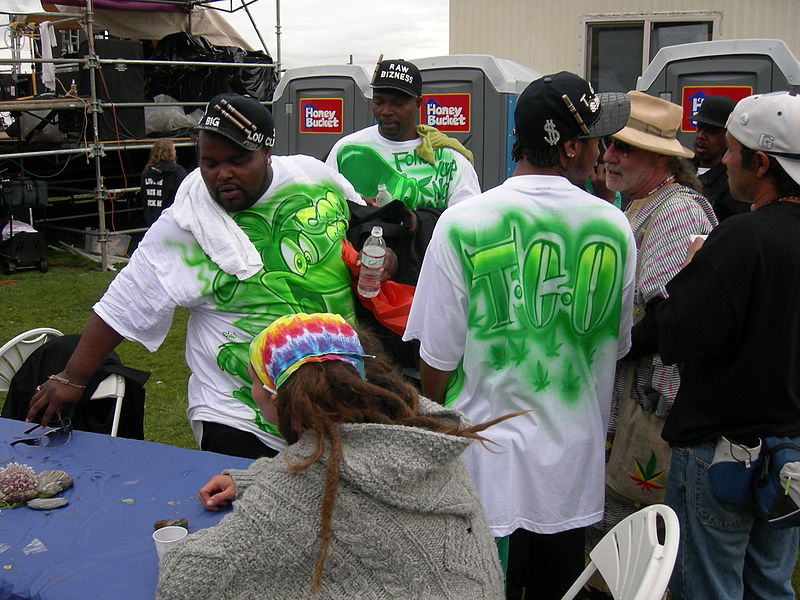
123 5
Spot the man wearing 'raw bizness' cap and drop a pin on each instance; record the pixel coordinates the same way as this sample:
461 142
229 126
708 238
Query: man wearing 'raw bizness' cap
250 237
646 161
419 165
524 302
732 321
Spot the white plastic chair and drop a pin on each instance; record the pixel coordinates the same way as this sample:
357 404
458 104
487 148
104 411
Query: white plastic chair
18 349
633 563
112 386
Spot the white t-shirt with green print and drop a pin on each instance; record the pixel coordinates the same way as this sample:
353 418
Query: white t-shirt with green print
367 159
297 227
526 292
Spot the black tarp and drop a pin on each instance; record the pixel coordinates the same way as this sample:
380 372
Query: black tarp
197 83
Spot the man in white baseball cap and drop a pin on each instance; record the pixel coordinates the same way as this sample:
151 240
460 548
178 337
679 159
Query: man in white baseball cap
732 320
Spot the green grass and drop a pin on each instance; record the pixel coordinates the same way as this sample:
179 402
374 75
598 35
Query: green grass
62 298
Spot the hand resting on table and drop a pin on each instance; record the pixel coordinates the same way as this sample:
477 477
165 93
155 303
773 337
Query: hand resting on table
218 493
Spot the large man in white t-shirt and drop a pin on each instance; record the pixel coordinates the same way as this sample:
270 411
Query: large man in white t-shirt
250 237
418 164
524 303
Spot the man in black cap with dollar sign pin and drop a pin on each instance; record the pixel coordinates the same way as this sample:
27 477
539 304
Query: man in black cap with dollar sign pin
524 302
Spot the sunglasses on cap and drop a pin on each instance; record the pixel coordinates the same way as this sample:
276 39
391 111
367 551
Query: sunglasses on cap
54 435
621 147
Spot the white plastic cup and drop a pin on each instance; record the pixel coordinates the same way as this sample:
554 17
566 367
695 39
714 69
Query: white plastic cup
167 537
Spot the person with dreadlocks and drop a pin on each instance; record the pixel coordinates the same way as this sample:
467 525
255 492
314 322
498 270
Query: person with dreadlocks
371 497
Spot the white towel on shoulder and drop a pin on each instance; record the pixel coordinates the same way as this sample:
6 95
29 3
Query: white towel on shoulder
214 229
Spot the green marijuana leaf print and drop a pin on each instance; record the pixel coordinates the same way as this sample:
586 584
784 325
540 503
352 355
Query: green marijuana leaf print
518 351
571 382
551 347
542 381
497 356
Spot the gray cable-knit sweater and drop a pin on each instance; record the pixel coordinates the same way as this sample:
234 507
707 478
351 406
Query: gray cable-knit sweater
407 523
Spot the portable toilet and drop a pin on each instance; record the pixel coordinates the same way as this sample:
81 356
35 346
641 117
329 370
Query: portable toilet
315 106
472 97
687 73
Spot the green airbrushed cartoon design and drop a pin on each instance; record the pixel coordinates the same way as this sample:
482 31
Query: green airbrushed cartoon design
407 178
543 299
298 234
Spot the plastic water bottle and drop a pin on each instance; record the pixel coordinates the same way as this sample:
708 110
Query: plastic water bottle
384 197
372 255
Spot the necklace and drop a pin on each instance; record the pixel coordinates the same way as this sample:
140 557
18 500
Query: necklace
792 199
659 186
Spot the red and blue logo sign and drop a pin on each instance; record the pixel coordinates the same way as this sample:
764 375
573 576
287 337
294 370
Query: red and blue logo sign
321 115
446 112
693 97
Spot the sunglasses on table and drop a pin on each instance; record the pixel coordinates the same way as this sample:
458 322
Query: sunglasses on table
56 434
621 147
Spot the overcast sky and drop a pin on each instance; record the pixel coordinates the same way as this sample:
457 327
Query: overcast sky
325 33
315 32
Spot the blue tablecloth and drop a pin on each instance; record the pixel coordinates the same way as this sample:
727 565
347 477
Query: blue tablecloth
100 545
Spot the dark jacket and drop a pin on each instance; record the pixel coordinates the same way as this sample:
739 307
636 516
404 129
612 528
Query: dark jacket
733 319
395 219
159 184
88 415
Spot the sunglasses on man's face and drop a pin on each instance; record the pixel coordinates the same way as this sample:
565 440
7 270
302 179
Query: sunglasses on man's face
54 435
620 147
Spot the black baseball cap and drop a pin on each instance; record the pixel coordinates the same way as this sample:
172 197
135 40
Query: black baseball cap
399 75
241 119
714 111
562 106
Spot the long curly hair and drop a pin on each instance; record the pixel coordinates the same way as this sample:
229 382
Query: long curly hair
320 396
685 173
163 150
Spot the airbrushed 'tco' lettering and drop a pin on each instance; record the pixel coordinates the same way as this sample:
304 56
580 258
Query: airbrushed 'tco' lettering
581 281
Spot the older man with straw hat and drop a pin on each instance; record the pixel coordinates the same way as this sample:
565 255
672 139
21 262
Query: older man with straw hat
645 161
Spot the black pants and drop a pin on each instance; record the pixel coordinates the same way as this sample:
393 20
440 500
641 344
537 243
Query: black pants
545 565
234 442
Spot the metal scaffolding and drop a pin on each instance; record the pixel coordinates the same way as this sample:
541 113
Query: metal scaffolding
96 148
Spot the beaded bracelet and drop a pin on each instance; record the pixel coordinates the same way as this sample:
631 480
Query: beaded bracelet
66 381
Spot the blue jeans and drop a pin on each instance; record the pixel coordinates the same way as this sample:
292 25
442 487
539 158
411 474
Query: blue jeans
726 551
